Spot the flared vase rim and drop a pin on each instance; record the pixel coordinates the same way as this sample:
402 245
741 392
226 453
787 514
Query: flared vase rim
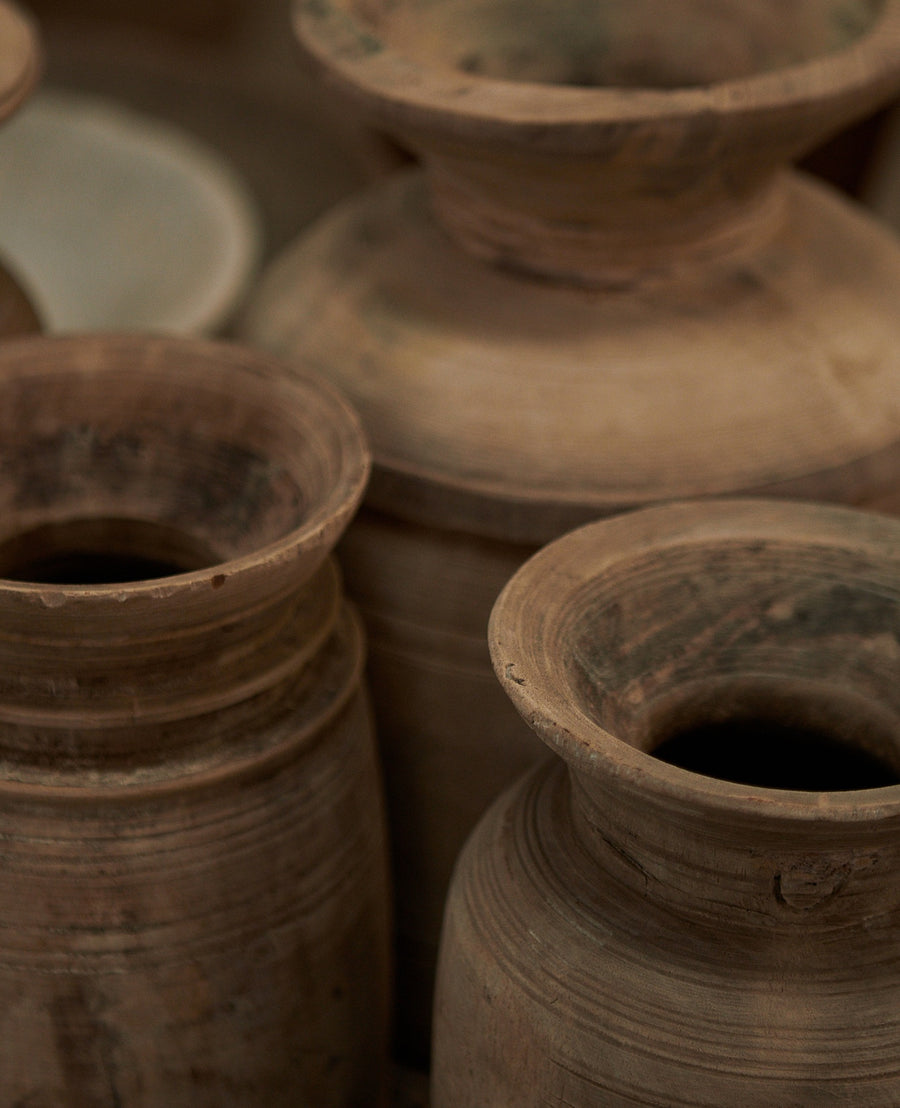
285 562
524 638
404 91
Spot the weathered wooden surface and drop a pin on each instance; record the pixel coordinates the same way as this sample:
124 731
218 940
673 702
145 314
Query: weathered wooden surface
624 931
591 298
194 905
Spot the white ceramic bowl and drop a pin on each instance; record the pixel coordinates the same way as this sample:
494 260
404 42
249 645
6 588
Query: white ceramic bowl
114 221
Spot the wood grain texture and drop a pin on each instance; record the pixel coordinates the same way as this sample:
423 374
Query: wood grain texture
595 295
193 897
621 931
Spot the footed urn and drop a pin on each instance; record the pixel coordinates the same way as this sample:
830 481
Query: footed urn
603 288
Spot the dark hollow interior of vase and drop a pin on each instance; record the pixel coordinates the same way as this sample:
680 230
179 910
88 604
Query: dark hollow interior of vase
763 663
101 551
620 43
101 501
772 754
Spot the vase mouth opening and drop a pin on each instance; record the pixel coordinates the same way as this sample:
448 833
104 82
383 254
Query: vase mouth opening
102 551
127 461
766 738
743 653
597 62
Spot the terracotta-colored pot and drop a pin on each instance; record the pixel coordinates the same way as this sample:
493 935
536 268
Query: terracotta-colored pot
625 930
20 67
603 290
193 900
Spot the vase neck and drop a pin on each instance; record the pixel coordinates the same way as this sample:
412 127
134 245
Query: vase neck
583 223
145 664
740 869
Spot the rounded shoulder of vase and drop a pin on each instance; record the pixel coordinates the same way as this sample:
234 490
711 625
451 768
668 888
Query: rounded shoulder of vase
522 408
619 1000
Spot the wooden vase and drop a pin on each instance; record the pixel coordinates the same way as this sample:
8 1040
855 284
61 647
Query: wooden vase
603 289
20 67
193 897
697 902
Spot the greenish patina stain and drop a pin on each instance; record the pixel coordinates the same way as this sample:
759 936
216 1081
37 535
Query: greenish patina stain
354 42
368 44
852 20
318 8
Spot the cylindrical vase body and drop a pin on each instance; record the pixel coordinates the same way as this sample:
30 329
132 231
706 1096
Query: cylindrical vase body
193 892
